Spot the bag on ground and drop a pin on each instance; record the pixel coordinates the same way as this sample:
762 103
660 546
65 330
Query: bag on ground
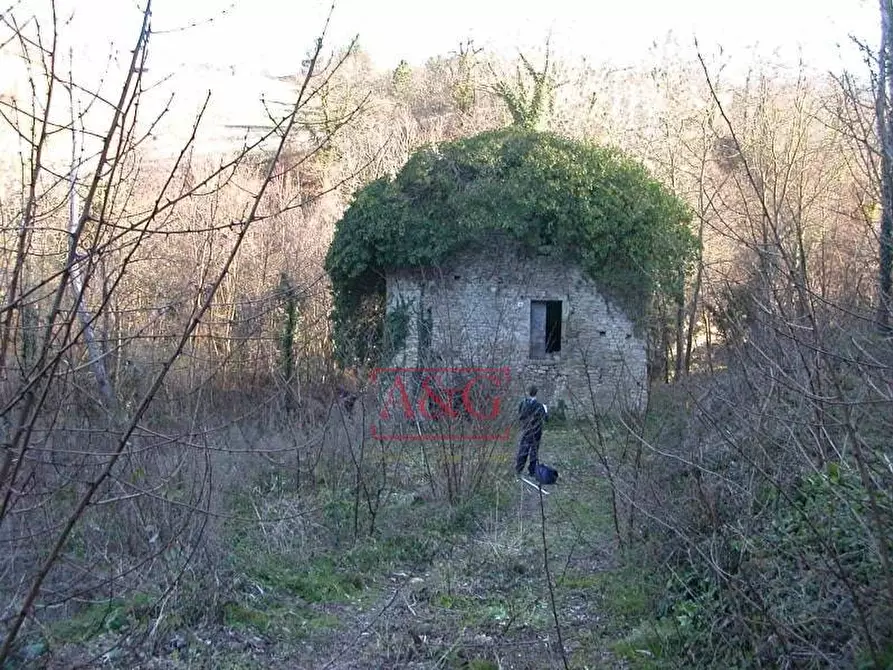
545 474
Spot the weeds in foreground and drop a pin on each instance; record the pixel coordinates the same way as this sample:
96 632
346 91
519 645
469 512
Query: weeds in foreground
439 585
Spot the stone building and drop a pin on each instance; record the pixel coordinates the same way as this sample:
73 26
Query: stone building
494 304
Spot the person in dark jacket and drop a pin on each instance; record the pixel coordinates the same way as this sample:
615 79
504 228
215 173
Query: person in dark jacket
531 414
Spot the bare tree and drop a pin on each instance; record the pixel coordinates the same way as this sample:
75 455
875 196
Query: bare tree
884 119
94 496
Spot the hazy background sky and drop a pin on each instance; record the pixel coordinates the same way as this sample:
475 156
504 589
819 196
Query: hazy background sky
233 47
268 33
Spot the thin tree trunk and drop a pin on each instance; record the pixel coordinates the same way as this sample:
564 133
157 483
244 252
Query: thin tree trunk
693 312
680 341
699 274
94 351
885 137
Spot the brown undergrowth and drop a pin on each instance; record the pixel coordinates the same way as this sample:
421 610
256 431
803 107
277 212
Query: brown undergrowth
434 586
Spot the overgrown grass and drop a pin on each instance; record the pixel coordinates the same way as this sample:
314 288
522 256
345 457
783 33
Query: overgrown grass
112 616
454 586
470 575
748 553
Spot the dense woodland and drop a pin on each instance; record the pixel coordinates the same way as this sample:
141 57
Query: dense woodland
183 485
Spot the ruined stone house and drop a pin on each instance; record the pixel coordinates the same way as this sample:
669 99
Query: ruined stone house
496 304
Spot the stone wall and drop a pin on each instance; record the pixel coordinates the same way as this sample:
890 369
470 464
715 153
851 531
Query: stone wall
478 307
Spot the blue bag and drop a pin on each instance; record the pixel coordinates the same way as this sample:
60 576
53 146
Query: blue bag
545 474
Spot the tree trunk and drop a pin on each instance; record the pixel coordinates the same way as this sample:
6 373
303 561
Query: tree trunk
94 350
885 137
680 341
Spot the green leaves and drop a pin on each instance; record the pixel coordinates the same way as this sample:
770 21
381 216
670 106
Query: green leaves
606 213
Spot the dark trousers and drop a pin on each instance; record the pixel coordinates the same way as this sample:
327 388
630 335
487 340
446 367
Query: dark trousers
528 448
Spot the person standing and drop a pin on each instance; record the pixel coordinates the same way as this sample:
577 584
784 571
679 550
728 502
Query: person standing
532 414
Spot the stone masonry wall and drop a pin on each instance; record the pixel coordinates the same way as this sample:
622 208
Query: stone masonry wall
478 307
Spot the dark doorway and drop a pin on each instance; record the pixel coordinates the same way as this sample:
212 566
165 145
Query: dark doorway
545 327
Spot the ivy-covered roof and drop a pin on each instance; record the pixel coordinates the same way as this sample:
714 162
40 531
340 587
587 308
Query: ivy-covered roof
594 205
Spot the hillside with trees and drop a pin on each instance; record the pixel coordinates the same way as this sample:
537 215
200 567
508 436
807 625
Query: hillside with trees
187 475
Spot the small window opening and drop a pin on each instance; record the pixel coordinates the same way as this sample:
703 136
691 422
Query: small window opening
545 328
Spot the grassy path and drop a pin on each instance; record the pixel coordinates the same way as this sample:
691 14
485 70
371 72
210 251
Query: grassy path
436 587
441 588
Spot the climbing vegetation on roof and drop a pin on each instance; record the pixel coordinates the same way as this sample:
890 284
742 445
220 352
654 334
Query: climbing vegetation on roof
593 205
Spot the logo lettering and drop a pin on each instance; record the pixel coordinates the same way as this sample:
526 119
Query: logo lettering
441 404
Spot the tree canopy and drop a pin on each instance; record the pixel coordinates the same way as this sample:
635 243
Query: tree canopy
593 205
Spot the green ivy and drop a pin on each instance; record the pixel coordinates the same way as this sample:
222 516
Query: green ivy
396 328
594 205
